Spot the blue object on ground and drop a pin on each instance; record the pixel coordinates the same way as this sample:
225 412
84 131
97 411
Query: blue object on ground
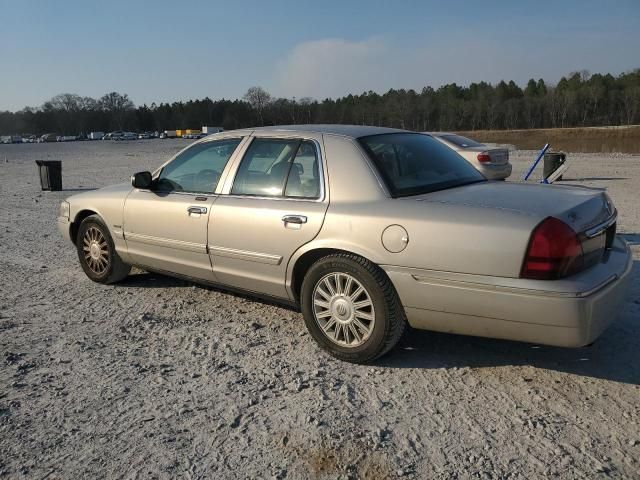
533 166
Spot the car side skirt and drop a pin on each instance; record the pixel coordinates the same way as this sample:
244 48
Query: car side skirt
286 302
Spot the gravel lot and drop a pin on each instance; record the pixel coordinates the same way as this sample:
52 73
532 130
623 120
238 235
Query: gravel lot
160 378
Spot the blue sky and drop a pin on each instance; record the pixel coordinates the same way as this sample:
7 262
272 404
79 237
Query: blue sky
166 51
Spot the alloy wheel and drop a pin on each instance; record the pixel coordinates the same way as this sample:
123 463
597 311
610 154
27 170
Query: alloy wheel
96 250
343 309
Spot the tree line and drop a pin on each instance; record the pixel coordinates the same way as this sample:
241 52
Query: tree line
579 99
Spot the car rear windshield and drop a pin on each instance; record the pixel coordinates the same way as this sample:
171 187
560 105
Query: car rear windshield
412 163
460 141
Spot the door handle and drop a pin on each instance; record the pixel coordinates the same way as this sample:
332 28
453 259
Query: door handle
297 219
197 210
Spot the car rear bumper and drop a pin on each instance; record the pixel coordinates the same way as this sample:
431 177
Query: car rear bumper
495 172
568 313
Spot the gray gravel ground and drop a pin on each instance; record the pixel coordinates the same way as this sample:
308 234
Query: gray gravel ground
160 378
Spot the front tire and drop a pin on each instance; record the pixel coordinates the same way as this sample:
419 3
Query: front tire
97 253
351 309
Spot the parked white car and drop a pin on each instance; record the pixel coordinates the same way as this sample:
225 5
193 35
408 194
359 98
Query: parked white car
493 163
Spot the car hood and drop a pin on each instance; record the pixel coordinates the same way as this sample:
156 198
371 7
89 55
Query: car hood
579 207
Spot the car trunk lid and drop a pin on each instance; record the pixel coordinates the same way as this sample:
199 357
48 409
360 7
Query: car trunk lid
579 207
589 212
486 156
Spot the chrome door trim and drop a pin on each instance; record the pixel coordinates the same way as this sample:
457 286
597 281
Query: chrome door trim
166 242
245 255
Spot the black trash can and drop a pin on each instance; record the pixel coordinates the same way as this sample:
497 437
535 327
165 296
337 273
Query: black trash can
50 174
552 161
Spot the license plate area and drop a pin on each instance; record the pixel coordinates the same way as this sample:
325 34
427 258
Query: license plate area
610 235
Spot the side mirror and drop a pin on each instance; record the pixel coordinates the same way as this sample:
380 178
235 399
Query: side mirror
141 180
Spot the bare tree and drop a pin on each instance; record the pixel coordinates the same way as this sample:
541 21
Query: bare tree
64 108
118 106
259 99
306 103
631 102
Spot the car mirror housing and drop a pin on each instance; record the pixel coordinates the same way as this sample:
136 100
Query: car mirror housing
141 180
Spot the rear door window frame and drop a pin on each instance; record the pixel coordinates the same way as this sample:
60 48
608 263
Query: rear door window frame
300 139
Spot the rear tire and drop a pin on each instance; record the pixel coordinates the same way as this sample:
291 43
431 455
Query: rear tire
351 309
97 253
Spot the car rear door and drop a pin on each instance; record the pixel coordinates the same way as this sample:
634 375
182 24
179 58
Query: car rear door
273 203
165 227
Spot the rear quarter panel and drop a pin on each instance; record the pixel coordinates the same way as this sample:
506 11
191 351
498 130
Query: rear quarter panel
446 237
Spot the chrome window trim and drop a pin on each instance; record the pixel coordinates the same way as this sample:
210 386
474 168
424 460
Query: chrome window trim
321 165
166 194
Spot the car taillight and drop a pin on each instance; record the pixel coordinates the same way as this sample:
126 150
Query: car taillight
554 251
484 157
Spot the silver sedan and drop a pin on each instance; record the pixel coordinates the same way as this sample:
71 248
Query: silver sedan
366 230
493 163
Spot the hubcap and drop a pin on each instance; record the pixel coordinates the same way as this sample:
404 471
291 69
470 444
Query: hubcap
343 309
96 250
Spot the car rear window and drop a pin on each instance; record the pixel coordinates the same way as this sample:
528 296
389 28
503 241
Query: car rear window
461 142
412 163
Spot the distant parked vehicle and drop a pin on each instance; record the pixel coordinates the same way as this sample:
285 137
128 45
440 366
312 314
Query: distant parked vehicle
113 135
194 135
96 135
144 136
47 138
67 138
493 163
212 130
126 136
5 139
29 139
168 134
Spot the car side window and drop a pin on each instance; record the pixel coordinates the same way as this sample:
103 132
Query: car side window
278 167
197 169
304 175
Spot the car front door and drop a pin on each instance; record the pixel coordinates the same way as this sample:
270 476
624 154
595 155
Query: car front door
274 204
165 227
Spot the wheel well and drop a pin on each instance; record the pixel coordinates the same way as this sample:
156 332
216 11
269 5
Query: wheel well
75 225
304 263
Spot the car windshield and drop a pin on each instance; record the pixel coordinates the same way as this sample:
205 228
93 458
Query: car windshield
461 142
412 163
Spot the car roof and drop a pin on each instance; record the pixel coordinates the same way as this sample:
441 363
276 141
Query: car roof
439 134
352 131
